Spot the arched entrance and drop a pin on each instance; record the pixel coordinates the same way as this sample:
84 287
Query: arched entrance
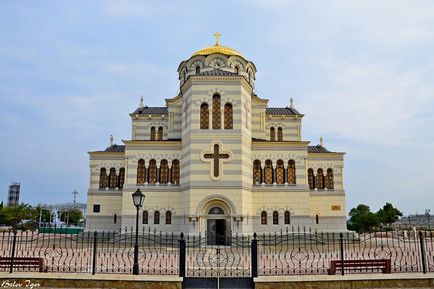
218 226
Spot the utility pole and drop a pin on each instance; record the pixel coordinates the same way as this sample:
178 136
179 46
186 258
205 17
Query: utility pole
75 193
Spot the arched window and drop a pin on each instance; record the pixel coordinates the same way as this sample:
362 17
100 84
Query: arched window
237 70
229 122
329 180
153 133
216 211
115 218
175 172
152 172
216 111
141 172
145 217
160 133
204 116
272 134
291 172
264 218
320 179
112 179
168 217
257 172
311 179
268 172
197 69
164 172
317 219
280 172
287 218
279 134
275 218
156 217
103 178
121 178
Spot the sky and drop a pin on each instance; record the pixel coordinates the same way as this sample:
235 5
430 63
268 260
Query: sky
362 72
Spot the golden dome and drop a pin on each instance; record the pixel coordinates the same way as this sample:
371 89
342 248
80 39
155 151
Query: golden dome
217 49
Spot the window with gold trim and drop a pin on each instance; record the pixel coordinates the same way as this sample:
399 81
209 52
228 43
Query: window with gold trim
103 178
272 134
275 218
121 178
228 116
268 172
141 172
279 134
329 180
216 112
257 172
280 172
160 133
311 179
152 172
291 172
153 133
175 172
263 218
204 116
164 172
112 178
320 179
336 208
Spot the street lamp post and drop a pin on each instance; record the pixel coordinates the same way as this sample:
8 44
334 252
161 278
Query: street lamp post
138 198
428 216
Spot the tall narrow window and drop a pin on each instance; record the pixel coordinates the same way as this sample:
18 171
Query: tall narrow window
204 116
152 172
112 178
164 172
141 172
229 122
287 218
280 172
329 180
275 218
257 172
264 218
156 217
121 178
145 217
103 178
175 172
115 218
311 179
279 134
160 133
153 133
197 69
317 219
216 112
272 134
291 172
320 180
268 172
168 217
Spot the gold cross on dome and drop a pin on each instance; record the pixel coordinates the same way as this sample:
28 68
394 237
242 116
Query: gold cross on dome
217 36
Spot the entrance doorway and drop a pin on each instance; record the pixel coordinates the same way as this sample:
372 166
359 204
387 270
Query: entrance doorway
216 229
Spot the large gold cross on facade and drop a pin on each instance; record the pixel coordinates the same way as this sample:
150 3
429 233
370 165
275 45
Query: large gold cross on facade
217 36
215 158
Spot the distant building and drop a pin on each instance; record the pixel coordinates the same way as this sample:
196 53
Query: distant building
14 194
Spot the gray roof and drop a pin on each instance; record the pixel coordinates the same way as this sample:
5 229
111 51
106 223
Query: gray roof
152 110
317 149
217 72
115 149
281 111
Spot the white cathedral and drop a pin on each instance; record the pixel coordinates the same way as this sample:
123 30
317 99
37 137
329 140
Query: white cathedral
217 159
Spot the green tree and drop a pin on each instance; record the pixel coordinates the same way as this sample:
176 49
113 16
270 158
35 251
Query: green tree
43 213
13 216
72 217
362 219
388 214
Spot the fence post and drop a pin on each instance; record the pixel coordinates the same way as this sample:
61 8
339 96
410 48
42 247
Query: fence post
254 256
14 243
182 256
422 252
95 237
341 245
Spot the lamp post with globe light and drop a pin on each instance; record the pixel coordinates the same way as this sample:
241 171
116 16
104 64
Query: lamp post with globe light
138 199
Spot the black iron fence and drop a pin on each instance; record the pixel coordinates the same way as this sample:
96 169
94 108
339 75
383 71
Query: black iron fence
296 251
